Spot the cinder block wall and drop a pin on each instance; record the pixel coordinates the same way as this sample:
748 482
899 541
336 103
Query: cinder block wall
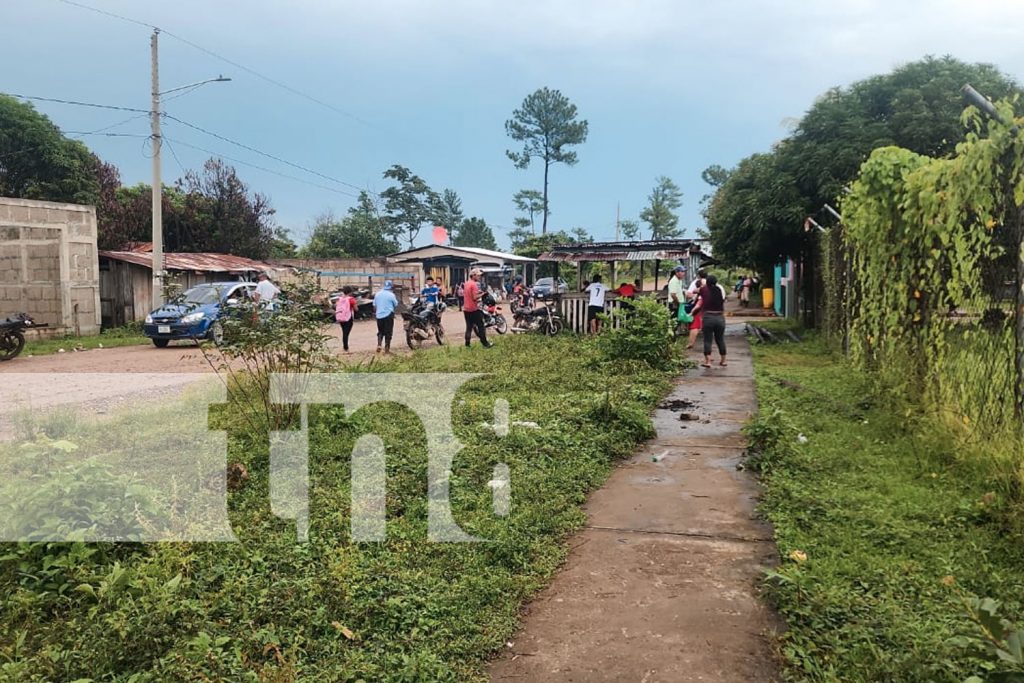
49 267
337 273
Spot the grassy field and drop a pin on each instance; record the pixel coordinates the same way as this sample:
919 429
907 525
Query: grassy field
122 336
884 527
269 608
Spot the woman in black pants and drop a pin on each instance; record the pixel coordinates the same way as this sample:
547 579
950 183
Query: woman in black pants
711 301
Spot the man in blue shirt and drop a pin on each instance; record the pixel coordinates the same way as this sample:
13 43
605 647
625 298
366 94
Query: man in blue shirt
431 291
384 304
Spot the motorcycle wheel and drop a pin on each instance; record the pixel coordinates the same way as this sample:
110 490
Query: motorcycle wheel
11 344
554 327
500 324
411 339
439 335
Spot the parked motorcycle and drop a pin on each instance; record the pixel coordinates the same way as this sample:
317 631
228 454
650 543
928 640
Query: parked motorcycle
12 335
542 319
492 314
422 320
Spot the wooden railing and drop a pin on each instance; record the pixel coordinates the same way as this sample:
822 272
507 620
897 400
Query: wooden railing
573 308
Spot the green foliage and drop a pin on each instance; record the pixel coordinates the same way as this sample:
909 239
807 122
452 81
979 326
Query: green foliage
447 211
644 334
409 203
995 638
530 202
875 515
660 212
360 234
756 215
770 436
259 343
270 609
546 125
473 232
38 162
928 238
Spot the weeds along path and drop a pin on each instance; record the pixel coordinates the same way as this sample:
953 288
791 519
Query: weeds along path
662 583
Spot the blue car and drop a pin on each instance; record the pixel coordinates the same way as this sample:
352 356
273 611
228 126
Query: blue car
197 313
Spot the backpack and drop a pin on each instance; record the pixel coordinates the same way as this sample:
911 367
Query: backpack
343 309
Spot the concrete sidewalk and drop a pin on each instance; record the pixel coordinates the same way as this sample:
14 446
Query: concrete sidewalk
661 586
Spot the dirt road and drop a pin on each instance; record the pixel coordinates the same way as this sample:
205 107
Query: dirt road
100 380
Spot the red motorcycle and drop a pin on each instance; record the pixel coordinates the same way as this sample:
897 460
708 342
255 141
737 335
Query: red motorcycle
492 314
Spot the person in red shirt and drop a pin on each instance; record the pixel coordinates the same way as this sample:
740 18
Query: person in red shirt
345 314
471 296
627 293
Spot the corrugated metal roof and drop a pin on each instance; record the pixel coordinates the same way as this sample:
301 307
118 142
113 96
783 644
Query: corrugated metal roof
202 262
632 250
464 252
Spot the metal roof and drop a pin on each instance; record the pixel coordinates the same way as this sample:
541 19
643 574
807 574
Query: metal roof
633 250
472 253
202 262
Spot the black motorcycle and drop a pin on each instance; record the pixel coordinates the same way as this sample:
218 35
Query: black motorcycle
542 319
12 335
422 320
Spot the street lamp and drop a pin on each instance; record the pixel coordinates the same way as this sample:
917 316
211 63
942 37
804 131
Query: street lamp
157 190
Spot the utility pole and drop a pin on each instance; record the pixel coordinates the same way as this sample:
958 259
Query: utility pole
157 190
617 221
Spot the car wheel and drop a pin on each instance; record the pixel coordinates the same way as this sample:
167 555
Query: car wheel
216 333
161 343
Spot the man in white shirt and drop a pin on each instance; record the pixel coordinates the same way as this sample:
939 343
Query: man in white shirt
597 291
265 292
675 294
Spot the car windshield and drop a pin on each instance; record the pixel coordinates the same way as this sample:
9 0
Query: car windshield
544 282
204 294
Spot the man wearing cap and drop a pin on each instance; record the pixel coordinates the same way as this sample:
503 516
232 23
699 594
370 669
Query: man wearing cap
384 304
471 295
676 292
265 292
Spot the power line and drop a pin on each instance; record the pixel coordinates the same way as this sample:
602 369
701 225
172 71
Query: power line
262 168
261 153
106 135
109 14
75 102
211 53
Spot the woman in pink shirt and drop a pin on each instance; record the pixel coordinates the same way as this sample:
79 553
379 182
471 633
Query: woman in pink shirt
345 314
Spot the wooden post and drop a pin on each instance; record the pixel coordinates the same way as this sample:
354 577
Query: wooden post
657 271
641 276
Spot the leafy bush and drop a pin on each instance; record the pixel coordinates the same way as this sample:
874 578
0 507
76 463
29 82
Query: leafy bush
644 334
770 438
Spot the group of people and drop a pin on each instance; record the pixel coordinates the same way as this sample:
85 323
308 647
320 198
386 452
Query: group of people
703 301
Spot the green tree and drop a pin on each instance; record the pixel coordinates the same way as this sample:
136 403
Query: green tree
282 245
756 216
530 202
38 162
447 211
629 229
474 232
409 204
546 125
360 234
660 212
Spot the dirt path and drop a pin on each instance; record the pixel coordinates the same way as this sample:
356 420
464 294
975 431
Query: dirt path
661 585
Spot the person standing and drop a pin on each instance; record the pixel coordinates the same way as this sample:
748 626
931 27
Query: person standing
676 296
711 305
384 304
472 293
745 288
460 292
597 291
266 292
627 294
345 314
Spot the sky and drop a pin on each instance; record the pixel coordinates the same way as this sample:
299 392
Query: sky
345 89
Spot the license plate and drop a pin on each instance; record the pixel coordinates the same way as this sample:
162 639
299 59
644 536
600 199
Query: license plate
163 329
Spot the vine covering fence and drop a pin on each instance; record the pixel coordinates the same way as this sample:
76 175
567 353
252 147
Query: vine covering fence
921 280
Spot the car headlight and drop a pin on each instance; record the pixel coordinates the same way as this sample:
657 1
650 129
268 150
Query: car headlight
193 317
149 320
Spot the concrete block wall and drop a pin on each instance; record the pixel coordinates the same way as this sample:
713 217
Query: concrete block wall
336 273
49 265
